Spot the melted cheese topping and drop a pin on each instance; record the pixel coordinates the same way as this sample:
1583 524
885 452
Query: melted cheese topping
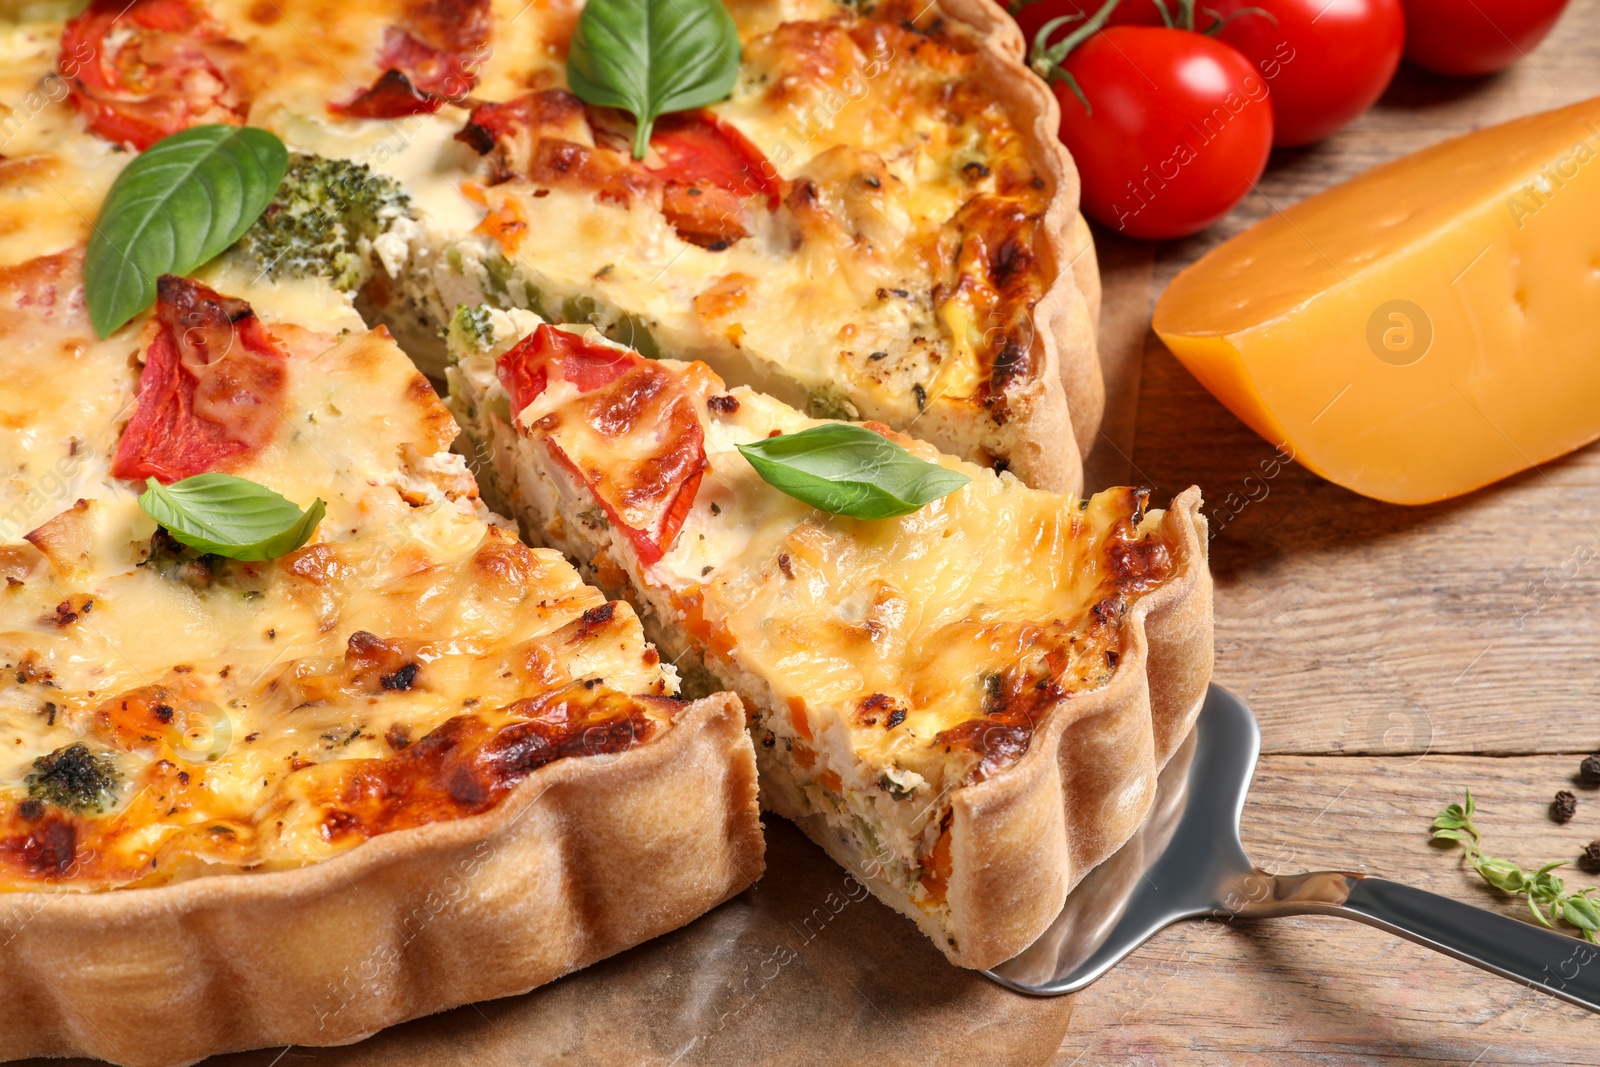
904 243
247 708
270 714
884 137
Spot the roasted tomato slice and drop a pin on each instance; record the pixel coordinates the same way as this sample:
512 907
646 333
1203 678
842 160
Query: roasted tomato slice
706 173
627 429
426 64
392 96
710 174
212 387
141 71
698 148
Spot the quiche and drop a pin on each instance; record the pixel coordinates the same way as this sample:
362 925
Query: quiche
879 223
409 764
966 705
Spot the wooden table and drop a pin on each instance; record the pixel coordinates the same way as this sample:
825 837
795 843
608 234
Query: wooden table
1393 657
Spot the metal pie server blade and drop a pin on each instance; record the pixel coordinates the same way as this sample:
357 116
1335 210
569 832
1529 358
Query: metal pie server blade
1187 862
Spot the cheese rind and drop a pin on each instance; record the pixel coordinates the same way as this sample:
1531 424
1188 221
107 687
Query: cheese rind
1420 331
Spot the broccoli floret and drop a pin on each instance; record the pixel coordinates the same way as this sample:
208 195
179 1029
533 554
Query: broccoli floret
325 211
470 332
73 777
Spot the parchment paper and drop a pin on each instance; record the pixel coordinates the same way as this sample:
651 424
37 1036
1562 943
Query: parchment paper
805 967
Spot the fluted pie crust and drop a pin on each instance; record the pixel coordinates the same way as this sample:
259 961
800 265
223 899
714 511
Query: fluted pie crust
1067 317
1023 838
586 857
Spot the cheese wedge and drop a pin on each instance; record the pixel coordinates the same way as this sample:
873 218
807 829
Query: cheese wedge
1422 330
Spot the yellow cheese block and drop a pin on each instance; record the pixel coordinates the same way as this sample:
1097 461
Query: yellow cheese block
1423 330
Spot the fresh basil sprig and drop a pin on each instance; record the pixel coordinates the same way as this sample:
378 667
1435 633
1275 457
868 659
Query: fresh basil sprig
179 203
1547 894
230 516
651 57
849 470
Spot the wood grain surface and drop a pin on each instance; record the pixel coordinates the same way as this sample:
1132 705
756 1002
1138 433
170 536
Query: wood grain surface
1392 656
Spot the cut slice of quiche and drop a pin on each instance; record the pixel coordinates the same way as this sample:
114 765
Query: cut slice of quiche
966 704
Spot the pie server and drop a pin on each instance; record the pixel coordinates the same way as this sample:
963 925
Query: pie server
1187 863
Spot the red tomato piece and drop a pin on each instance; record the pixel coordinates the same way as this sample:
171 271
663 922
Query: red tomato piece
523 370
392 96
139 72
211 390
710 172
631 435
1178 128
1481 37
433 62
1324 61
697 146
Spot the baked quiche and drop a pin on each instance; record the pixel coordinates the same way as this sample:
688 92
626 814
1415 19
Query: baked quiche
965 703
878 223
303 788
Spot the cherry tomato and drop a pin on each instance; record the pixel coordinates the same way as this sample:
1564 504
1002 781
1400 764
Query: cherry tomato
142 70
1481 37
1178 128
211 389
1031 15
647 492
1324 61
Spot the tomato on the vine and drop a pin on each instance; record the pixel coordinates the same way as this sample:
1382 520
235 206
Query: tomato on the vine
1449 37
1031 15
1324 61
1172 128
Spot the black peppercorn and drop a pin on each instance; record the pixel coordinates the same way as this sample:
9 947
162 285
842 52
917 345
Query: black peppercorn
1563 807
1589 770
1590 860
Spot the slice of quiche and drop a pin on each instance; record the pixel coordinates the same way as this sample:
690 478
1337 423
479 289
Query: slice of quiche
880 223
966 705
432 765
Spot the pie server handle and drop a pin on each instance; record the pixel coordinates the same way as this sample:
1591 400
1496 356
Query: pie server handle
1557 964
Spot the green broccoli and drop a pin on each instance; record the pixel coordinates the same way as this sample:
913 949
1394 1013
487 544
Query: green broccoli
324 211
470 332
73 777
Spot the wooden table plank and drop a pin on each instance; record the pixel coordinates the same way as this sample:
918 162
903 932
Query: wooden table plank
1328 991
1350 625
1386 651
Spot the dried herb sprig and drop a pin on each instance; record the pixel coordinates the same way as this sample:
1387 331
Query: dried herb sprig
1548 897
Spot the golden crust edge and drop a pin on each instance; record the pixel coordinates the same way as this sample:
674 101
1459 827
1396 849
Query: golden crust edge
1088 780
1066 317
585 858
1020 840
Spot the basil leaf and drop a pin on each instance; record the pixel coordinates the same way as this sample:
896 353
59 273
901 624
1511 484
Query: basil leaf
849 470
649 57
229 516
178 204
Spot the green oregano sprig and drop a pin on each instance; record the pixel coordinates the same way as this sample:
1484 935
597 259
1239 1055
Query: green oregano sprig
1547 895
